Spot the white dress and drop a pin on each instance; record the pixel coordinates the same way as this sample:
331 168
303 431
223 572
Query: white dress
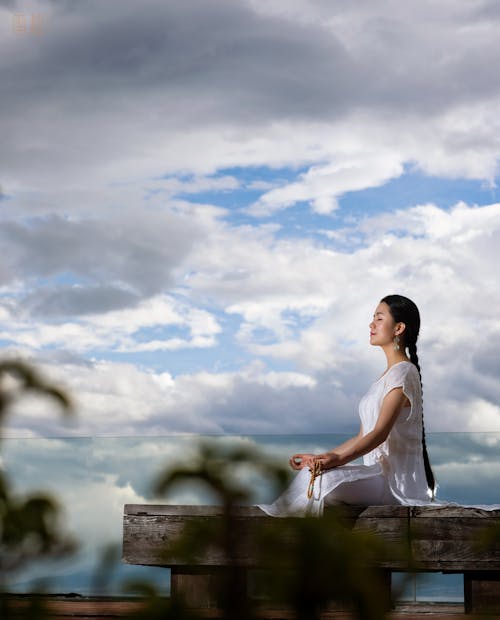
396 467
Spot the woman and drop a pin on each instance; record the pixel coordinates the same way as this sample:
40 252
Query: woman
391 440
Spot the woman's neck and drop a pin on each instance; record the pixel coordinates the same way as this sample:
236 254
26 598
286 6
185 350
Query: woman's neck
394 357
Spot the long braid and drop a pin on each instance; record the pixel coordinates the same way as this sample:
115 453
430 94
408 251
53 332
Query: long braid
405 311
429 474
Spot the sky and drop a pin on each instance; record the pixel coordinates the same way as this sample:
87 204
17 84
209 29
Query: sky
202 202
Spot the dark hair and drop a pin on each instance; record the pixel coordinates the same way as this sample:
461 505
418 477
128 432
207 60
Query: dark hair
405 311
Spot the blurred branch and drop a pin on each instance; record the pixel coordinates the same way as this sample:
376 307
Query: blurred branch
219 467
30 526
25 380
303 564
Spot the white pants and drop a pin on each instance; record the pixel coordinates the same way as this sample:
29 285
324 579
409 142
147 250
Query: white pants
367 492
362 485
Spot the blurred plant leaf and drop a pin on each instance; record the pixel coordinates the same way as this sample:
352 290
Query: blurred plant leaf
30 525
219 467
304 564
24 380
311 563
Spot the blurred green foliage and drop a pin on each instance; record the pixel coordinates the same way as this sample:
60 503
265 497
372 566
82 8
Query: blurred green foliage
30 525
303 565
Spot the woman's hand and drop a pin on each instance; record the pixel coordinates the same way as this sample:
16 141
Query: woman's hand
329 460
299 461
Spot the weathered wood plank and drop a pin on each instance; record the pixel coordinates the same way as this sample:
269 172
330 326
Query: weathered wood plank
447 539
147 531
146 538
254 511
441 538
189 510
366 512
431 511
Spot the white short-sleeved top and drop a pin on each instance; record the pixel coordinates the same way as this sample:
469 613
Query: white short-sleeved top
401 454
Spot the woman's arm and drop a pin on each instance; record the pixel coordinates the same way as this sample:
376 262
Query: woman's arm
347 444
392 404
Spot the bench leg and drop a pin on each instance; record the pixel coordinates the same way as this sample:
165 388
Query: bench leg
481 592
197 589
385 577
193 589
384 595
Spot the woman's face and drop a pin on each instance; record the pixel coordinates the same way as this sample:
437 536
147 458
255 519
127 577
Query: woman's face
383 327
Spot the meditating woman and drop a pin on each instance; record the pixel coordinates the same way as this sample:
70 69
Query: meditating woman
391 440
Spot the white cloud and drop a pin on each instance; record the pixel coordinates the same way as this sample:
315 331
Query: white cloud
117 399
431 254
123 330
325 85
310 312
104 256
483 414
322 185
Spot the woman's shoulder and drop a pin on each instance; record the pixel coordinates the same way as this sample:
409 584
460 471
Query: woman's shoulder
402 367
401 371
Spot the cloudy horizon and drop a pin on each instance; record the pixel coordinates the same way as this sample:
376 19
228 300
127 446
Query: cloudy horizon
203 202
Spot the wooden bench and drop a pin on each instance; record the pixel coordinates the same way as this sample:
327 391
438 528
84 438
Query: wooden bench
440 539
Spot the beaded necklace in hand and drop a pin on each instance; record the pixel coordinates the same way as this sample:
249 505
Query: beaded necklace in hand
315 472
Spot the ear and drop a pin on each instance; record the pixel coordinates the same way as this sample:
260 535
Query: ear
400 328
